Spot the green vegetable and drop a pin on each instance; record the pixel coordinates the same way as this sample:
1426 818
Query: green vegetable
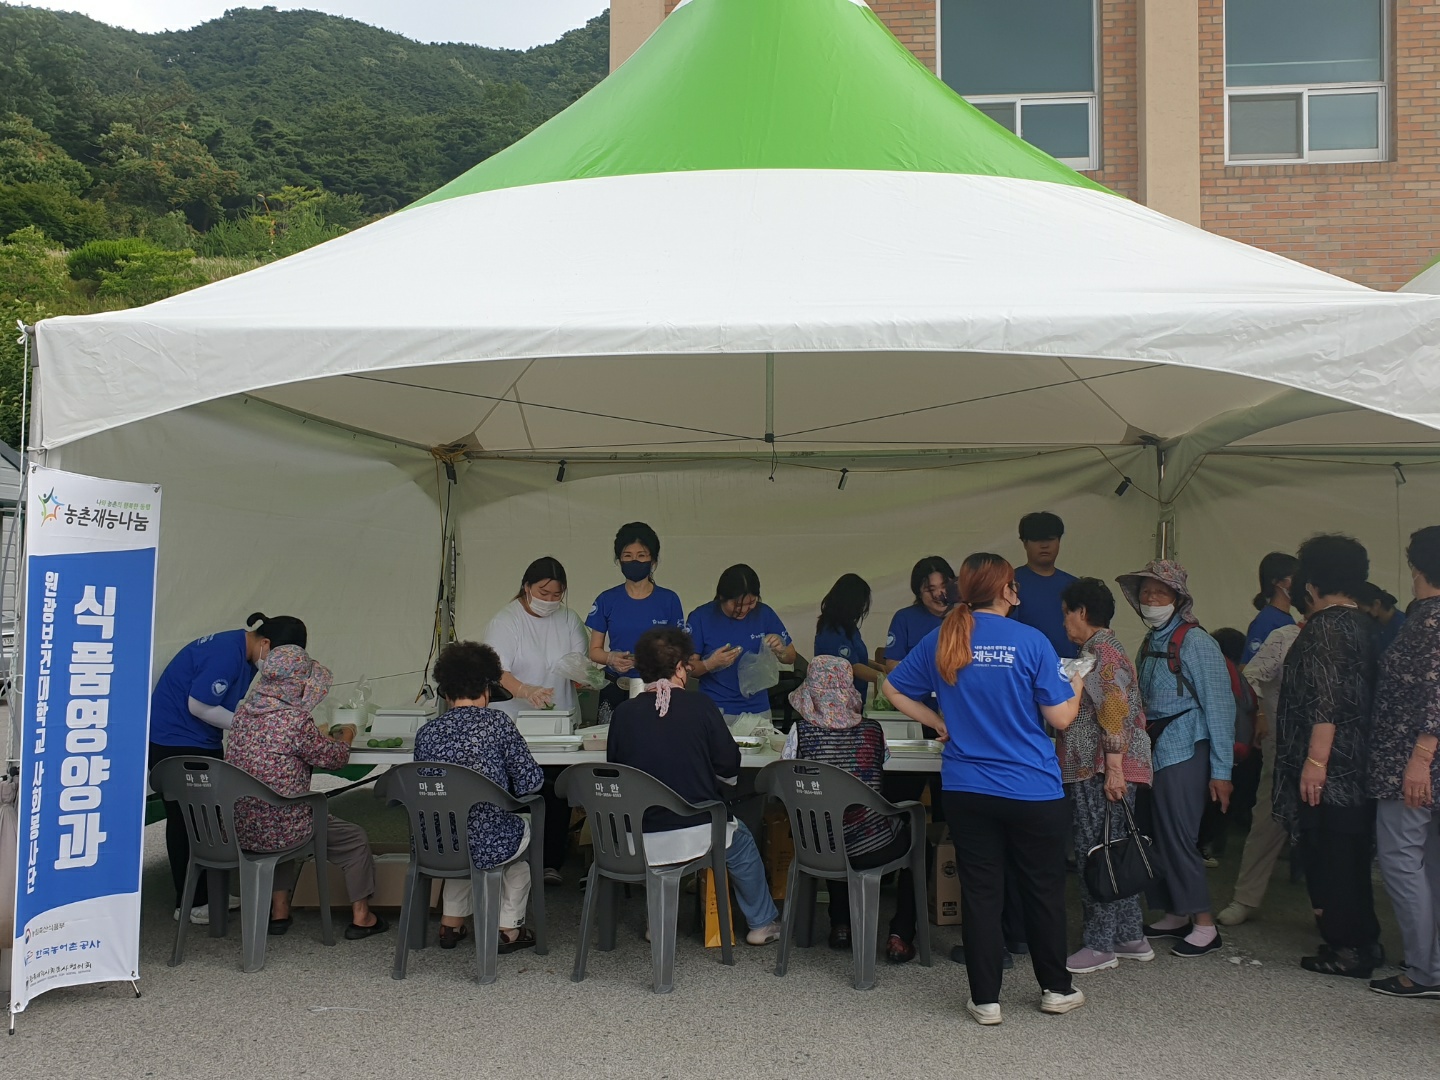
550 706
385 744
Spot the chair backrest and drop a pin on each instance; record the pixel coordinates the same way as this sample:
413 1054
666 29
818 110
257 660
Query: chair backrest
615 798
207 790
437 798
815 797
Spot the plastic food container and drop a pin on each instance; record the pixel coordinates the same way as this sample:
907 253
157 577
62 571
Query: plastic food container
595 738
751 744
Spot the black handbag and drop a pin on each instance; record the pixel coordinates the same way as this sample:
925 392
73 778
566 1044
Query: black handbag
1120 869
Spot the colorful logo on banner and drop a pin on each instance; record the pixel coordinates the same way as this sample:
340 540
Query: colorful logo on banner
89 622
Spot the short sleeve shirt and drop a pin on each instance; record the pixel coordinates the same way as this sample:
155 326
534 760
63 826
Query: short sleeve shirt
711 629
214 671
528 648
1261 627
908 626
1041 608
623 619
851 647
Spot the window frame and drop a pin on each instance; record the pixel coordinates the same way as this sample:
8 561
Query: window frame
1305 91
1091 99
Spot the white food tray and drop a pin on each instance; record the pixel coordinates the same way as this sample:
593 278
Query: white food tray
553 744
751 744
919 747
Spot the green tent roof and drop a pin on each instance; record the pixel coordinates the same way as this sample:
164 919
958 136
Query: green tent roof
765 84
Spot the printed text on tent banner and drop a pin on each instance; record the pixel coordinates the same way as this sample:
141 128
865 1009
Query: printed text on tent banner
89 621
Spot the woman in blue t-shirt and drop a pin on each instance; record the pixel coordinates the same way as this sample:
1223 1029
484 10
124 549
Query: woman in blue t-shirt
192 706
621 614
732 624
1272 601
837 630
928 581
998 683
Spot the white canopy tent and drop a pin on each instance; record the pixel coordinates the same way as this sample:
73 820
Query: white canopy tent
868 286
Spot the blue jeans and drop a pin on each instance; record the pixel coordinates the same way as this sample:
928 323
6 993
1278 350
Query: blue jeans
747 876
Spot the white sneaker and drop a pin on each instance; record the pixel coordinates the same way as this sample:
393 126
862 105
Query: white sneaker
985 1015
199 916
1235 914
1051 1002
764 935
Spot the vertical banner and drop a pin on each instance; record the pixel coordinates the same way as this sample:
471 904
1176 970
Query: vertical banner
89 622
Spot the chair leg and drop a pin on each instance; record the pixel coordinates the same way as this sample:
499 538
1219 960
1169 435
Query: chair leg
217 883
187 898
662 901
721 875
807 888
485 887
257 877
322 892
605 932
864 926
587 923
418 928
537 898
787 920
922 914
409 900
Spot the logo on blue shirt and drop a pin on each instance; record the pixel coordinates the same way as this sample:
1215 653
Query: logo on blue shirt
218 687
889 641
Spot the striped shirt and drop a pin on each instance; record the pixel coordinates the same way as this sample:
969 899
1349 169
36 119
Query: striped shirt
860 751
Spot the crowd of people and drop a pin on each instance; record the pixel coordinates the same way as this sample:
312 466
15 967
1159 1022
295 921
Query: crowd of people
1319 735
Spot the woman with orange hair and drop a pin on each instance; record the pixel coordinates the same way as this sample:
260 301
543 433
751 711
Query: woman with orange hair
998 683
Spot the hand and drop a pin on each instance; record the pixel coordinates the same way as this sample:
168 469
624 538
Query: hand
1312 784
1416 784
343 733
1115 785
539 696
722 658
775 643
620 662
942 733
1220 792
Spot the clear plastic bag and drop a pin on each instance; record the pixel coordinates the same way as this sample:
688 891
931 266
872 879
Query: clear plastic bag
577 668
758 671
1079 665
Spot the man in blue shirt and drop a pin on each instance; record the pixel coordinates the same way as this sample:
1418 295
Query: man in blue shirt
1041 583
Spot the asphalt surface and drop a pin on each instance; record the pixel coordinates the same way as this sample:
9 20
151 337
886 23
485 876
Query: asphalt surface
1248 1011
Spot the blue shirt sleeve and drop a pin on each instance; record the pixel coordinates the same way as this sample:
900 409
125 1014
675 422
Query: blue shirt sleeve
697 633
832 643
897 641
217 681
599 617
1051 687
773 625
916 677
674 612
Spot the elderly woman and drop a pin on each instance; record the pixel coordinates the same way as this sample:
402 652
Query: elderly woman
1322 756
472 734
1103 755
1190 711
1404 775
275 740
832 730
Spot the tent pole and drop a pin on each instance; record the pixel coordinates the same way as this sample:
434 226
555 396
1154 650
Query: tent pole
770 397
1165 527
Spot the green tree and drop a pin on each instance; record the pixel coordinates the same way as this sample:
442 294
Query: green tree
65 218
29 156
164 172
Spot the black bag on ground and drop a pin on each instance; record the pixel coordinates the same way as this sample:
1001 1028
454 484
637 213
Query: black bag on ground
1120 869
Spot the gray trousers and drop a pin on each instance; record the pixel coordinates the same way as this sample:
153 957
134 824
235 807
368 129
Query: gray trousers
1121 921
1409 845
347 846
1179 794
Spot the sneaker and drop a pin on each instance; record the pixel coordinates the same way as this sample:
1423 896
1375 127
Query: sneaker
840 938
898 950
1056 1003
199 915
1134 950
1007 961
764 935
1395 987
1087 960
1235 914
1185 949
985 1015
553 876
1178 932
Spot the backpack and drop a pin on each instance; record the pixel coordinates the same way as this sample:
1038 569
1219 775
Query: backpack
1247 707
1157 725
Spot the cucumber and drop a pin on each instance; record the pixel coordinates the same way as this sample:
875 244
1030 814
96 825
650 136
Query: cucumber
385 744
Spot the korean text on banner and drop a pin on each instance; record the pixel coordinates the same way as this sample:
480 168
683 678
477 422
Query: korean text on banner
89 623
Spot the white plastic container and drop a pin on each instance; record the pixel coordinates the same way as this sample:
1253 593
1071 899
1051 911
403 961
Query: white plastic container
545 722
388 722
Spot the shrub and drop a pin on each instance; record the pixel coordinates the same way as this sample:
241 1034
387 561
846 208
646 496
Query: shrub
90 261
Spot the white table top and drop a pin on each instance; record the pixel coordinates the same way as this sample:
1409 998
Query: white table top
898 763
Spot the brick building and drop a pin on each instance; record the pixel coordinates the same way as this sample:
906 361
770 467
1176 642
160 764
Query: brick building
1307 127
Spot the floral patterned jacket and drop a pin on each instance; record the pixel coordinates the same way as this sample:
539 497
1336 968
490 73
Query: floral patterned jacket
1407 700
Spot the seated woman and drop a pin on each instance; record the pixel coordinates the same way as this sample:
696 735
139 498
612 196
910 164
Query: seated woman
472 734
680 737
275 740
832 730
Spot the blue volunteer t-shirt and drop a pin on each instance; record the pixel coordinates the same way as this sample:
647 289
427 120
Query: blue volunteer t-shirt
1262 626
1040 606
909 625
617 614
212 670
998 744
710 629
831 642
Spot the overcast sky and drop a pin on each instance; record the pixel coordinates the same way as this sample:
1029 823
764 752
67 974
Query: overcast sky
514 24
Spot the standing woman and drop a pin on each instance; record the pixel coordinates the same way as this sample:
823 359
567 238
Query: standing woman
928 580
837 631
1323 755
1277 571
625 612
732 624
998 683
192 707
1103 756
530 634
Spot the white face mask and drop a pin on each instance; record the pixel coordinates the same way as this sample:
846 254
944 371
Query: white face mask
1156 617
545 607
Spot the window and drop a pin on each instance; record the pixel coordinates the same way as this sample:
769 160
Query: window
1030 66
1304 80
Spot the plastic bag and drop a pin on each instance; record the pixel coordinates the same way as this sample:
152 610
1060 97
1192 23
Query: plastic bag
758 671
1079 665
578 668
361 695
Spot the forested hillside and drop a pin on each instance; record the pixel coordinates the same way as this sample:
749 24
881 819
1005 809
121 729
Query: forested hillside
133 166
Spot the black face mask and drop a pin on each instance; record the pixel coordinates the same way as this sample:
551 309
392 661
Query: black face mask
636 570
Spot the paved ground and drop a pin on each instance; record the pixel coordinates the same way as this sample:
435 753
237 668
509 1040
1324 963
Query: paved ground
336 1013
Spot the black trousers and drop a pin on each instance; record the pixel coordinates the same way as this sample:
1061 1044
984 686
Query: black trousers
903 924
992 834
557 821
177 836
1336 846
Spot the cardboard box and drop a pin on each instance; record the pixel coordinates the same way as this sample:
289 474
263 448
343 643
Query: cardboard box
392 861
945 887
779 850
712 912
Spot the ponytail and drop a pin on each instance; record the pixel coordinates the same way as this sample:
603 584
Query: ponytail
281 630
952 652
982 581
1261 601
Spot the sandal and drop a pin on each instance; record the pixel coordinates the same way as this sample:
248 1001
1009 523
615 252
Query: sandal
524 939
450 936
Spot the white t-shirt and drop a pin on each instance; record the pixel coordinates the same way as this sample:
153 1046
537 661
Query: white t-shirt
529 646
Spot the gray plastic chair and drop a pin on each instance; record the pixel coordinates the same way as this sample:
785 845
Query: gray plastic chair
207 789
437 798
815 797
615 798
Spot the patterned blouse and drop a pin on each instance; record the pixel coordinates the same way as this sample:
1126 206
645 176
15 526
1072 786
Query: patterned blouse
1111 720
487 741
1407 700
280 748
860 751
1329 679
